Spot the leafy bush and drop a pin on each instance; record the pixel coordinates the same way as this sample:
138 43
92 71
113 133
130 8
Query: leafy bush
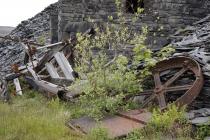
103 61
163 121
202 132
98 133
109 79
170 124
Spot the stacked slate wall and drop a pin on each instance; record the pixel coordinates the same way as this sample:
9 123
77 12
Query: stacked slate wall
162 17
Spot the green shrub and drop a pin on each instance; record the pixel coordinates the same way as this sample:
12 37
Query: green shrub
202 132
98 133
170 124
109 78
163 121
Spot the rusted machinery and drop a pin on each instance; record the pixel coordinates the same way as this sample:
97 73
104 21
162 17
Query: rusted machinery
167 75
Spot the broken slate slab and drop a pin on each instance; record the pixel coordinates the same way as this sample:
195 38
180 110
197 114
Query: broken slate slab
201 121
207 138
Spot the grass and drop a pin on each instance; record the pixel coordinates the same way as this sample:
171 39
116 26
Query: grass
32 117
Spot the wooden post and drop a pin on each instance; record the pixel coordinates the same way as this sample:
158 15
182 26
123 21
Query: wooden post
18 87
52 70
64 65
48 87
33 73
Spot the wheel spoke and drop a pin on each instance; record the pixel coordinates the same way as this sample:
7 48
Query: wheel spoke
175 77
157 79
149 99
146 92
161 100
178 88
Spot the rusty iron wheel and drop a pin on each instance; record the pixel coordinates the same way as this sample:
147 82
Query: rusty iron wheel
166 88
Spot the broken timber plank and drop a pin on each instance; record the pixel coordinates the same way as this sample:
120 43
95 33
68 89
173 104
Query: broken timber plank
25 48
12 76
52 70
48 57
51 45
17 86
61 81
49 89
33 73
23 69
64 65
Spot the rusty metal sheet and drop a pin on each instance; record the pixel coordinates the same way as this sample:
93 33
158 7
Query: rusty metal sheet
138 115
116 125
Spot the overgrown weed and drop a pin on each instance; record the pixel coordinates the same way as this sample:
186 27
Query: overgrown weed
170 124
35 118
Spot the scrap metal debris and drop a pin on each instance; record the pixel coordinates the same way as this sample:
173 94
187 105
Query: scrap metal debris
167 75
117 125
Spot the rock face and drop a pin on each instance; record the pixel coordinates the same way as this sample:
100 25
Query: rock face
36 29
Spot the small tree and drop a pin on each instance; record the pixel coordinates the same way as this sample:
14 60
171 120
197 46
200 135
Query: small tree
110 80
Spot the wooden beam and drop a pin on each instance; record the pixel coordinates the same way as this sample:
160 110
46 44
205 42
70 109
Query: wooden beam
52 70
64 65
33 73
48 57
25 48
61 81
23 69
49 89
18 87
51 45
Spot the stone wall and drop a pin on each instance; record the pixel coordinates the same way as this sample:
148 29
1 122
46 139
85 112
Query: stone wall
163 17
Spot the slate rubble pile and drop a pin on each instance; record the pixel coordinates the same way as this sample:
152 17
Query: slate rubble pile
197 35
195 41
36 29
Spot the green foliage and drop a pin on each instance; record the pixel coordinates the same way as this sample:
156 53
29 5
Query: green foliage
163 121
109 80
135 135
98 133
170 124
166 52
202 132
34 118
42 39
